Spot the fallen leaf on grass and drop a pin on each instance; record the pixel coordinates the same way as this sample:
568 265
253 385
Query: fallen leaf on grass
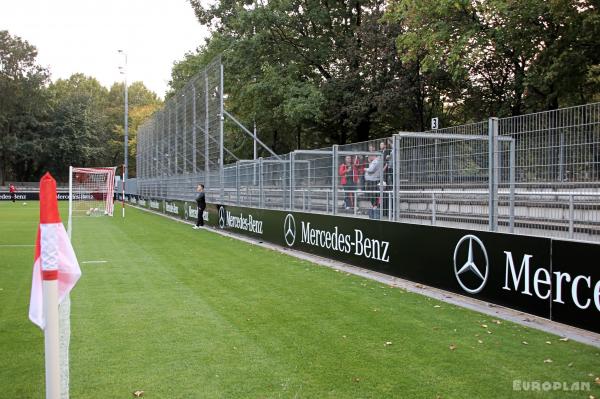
570 364
488 331
484 326
597 380
356 379
138 394
437 306
565 339
452 347
496 321
525 343
388 343
549 343
480 341
548 361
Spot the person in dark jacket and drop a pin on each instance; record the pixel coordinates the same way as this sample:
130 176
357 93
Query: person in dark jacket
201 202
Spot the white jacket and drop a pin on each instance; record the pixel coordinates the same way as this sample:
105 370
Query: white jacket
373 172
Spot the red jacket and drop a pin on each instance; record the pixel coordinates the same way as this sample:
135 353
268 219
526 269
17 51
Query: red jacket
358 170
12 189
343 170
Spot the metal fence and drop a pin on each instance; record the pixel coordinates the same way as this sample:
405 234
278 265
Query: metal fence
536 174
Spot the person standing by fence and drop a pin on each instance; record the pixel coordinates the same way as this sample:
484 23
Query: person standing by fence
358 170
372 178
201 202
346 181
13 192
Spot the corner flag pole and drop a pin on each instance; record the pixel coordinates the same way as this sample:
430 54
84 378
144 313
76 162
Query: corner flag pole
46 253
123 192
70 225
51 338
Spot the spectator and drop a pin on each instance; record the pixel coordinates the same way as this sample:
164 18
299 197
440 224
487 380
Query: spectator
346 181
372 178
358 169
201 202
13 192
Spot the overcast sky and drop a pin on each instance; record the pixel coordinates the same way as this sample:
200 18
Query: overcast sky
84 36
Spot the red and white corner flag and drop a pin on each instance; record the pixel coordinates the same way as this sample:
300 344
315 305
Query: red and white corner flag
54 255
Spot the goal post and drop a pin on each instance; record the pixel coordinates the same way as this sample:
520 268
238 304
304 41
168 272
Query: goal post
91 191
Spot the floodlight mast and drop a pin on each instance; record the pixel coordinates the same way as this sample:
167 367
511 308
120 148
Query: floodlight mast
123 70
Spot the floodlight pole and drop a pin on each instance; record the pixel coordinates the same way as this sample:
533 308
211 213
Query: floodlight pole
126 121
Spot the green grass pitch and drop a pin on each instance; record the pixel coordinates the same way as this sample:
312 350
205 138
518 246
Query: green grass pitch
180 313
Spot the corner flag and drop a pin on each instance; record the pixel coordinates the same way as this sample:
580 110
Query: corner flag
54 255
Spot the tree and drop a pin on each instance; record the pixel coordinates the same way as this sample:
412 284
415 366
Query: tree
505 57
326 72
142 103
78 126
22 108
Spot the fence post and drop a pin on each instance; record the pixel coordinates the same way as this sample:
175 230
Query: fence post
194 156
221 134
237 181
571 216
395 174
381 180
433 206
260 183
309 187
493 173
512 173
334 176
390 195
206 133
284 186
292 159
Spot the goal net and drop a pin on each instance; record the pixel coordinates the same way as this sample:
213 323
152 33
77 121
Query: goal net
91 191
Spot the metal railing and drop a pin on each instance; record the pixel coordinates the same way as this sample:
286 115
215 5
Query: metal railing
536 174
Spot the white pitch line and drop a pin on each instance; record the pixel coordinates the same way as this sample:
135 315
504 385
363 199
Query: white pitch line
95 261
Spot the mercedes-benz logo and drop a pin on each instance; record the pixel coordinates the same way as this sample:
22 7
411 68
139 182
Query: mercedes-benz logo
222 217
470 265
289 230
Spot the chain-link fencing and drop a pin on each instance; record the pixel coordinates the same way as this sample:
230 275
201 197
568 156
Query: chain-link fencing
536 174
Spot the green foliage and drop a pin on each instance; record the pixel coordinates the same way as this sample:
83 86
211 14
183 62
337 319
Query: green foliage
509 57
23 107
309 73
74 121
318 72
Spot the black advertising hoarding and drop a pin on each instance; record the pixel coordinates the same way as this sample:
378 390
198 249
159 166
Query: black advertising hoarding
549 278
35 196
576 277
